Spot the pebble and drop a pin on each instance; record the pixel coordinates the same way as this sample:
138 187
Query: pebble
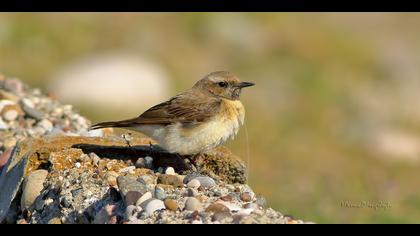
130 189
95 158
10 114
170 171
153 205
220 216
128 169
129 211
171 204
111 178
246 197
13 85
192 192
194 183
205 181
160 193
148 162
144 198
46 125
32 187
170 180
77 165
147 179
193 204
217 207
33 113
140 163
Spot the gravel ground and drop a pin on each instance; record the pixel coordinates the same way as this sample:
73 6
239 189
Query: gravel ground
70 175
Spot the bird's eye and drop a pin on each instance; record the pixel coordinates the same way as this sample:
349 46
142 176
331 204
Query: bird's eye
222 84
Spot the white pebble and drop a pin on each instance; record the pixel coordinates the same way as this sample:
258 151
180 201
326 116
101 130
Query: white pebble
128 169
10 115
170 171
194 183
145 197
78 165
154 205
46 125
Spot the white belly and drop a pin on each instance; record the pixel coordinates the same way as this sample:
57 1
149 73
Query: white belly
186 141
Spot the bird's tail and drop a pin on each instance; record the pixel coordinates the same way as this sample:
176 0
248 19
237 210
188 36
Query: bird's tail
114 124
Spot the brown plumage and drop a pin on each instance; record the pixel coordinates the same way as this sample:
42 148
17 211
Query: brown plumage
174 123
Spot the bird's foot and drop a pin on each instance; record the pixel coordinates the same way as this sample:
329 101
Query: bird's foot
127 138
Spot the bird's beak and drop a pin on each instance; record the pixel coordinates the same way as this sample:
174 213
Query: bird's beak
245 84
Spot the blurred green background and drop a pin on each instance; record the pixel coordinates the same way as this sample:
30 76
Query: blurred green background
335 115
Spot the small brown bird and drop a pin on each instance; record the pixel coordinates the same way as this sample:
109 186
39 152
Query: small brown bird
196 120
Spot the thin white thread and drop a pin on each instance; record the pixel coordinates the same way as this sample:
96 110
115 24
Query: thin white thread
248 166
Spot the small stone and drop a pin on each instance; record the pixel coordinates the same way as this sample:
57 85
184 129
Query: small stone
153 205
129 211
54 221
193 204
95 158
246 197
160 193
13 85
128 169
194 183
32 112
227 198
192 192
111 178
217 207
10 114
171 204
202 198
130 189
205 181
77 165
46 125
32 187
140 163
144 198
148 162
220 216
170 171
132 197
170 180
147 179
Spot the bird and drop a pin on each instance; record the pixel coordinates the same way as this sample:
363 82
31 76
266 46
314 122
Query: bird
196 120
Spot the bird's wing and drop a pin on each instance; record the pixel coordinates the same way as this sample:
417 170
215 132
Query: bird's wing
187 108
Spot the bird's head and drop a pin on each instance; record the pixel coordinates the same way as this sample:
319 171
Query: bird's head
222 84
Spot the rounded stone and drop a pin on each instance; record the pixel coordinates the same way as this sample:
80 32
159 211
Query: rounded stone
170 180
193 204
194 183
32 187
154 205
205 181
145 197
10 115
246 197
160 193
217 207
46 125
171 204
192 192
170 171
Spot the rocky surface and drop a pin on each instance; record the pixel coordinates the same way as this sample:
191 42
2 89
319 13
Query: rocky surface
54 171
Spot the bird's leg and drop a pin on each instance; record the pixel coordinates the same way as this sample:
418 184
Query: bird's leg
127 138
150 148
